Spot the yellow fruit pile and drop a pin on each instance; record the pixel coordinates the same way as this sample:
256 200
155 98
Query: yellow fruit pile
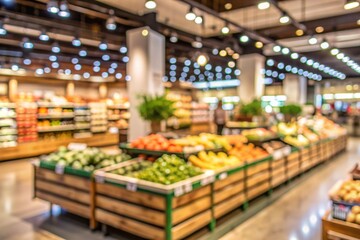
208 141
350 191
354 215
212 160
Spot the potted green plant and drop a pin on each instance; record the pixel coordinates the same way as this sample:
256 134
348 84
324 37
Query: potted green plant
290 111
156 109
251 110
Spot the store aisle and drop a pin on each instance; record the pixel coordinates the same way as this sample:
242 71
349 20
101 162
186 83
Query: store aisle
297 214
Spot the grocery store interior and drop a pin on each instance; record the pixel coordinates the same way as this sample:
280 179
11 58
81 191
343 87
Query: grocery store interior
180 119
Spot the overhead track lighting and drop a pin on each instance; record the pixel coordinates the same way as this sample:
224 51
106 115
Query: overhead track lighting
351 4
198 20
2 29
111 22
43 36
150 4
262 5
52 6
190 15
64 9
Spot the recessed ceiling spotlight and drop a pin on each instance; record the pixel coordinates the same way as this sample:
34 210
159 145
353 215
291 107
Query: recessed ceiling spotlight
27 61
319 29
299 32
294 55
225 29
324 45
334 51
150 4
123 49
228 6
285 51
202 59
262 5
259 44
190 15
55 48
199 20
103 45
276 48
15 67
244 38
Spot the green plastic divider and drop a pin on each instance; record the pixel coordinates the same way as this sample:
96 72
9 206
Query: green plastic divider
67 170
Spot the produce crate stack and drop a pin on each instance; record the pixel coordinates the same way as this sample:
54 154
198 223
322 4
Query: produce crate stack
315 152
229 191
293 164
152 210
305 159
257 180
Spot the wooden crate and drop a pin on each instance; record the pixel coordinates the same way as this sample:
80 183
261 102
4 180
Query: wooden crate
293 165
151 210
229 193
73 193
337 229
257 179
278 171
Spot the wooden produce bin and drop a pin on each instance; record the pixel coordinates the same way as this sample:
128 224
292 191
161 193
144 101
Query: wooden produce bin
315 154
337 229
257 180
229 191
71 189
293 164
305 159
278 171
151 210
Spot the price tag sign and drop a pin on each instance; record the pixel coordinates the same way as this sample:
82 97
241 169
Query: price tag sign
277 154
132 186
223 175
209 177
188 187
178 191
286 150
100 177
59 169
77 146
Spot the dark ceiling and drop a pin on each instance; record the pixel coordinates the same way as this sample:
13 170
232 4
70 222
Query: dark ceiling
220 5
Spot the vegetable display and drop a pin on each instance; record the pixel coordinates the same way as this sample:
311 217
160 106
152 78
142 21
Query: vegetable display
248 152
89 159
211 160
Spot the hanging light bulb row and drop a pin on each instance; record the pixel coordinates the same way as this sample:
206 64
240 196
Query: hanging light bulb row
345 59
310 62
193 71
61 8
291 69
191 16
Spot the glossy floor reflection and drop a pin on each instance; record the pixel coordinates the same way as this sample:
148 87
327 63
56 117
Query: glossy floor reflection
297 214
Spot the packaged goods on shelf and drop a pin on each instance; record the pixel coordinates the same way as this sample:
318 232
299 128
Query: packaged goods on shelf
99 122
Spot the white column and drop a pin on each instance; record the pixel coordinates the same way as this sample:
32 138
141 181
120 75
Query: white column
295 89
251 79
146 50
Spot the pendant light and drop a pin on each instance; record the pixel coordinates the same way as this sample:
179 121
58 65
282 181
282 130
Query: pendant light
190 15
44 36
64 9
52 6
111 22
262 5
2 29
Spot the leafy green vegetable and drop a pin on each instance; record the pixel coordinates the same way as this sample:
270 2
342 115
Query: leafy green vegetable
291 109
252 109
156 108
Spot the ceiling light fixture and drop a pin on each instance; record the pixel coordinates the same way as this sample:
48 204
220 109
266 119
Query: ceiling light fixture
202 59
259 44
262 5
55 48
52 6
64 9
319 29
26 43
198 20
173 37
103 45
276 48
244 38
284 19
76 42
150 4
225 29
294 55
324 45
190 15
334 51
351 4
2 29
299 32
43 36
197 43
312 40
228 6
111 21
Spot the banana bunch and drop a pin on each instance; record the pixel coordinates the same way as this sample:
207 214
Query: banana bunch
212 160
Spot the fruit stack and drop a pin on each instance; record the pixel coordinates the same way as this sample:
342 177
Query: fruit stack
248 152
156 142
211 160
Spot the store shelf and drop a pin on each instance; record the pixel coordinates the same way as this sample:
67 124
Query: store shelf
7 105
82 127
55 116
56 129
4 117
52 105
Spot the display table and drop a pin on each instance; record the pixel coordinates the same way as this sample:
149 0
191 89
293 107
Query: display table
337 229
33 149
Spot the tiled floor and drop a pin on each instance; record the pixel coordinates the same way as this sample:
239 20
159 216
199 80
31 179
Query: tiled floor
295 216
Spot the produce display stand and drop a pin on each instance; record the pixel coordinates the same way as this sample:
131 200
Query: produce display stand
258 175
293 164
151 210
37 148
137 151
71 189
337 229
